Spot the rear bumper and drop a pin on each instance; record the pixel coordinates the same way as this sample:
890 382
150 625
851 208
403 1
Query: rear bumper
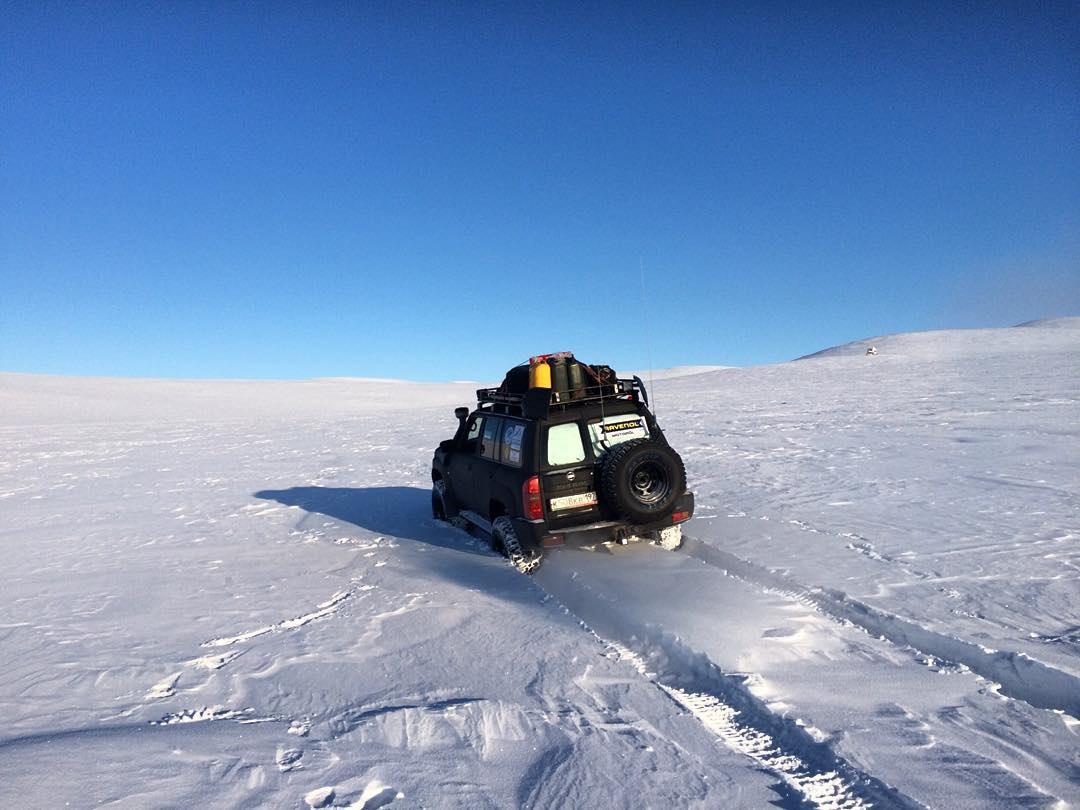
540 536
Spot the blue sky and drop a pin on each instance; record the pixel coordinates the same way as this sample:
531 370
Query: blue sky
438 190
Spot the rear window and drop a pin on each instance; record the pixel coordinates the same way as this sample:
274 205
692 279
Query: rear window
564 444
613 430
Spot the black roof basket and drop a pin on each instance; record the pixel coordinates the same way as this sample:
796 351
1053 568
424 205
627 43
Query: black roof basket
536 403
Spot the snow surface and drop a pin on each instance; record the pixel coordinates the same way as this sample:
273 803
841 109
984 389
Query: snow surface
233 594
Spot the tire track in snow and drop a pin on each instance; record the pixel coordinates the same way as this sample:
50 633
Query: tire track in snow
725 706
854 542
811 768
1015 674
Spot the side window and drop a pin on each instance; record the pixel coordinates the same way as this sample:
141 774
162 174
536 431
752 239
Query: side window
476 424
512 437
564 444
489 444
474 428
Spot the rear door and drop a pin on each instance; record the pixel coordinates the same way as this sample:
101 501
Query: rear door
487 463
504 453
568 484
572 450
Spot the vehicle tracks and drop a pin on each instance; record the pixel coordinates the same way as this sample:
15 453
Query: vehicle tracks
1014 674
810 770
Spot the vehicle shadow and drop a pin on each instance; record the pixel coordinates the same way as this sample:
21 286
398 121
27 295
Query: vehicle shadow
404 513
401 512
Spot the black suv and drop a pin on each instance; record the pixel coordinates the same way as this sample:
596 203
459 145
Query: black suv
564 455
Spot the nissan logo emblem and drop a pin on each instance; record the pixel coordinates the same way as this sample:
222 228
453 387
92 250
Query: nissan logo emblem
570 476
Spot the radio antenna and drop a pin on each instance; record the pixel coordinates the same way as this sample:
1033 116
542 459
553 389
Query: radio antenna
648 332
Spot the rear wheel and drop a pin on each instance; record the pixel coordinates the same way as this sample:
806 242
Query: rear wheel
669 538
504 538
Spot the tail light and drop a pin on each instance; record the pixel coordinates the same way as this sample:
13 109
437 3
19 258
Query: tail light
679 517
531 501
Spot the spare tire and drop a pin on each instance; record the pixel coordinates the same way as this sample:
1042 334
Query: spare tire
640 480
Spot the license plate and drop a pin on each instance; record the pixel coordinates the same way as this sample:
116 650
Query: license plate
572 501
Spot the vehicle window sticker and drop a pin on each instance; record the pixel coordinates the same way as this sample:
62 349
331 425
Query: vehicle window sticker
513 434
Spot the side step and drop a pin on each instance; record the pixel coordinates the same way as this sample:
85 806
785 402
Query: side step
476 520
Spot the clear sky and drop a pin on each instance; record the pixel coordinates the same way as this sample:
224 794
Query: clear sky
438 190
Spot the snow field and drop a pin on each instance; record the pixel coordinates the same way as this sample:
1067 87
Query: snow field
235 612
233 594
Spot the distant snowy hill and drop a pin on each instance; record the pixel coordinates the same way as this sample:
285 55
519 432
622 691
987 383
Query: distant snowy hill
961 342
1052 323
671 373
224 594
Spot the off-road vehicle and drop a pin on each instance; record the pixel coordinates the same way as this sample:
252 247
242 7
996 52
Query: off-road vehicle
562 453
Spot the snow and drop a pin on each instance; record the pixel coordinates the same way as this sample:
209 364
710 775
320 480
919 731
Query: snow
233 594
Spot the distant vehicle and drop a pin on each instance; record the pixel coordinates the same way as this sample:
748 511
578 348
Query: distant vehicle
872 350
562 453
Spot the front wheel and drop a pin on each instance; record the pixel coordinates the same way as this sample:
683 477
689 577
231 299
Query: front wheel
442 506
504 537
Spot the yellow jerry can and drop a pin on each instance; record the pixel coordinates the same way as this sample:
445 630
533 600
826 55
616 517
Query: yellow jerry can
540 375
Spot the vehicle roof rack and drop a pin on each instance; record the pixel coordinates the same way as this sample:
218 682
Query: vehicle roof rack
533 403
